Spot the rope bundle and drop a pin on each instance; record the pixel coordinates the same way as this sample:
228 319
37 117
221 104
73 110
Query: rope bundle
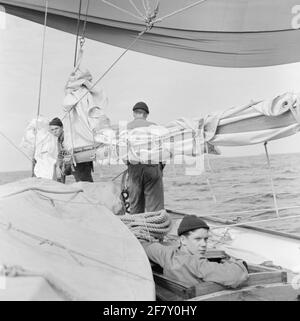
148 226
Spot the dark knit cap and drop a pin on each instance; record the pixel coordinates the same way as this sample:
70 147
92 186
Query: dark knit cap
56 122
190 223
141 105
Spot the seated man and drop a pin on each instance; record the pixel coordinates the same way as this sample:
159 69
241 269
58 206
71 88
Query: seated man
187 263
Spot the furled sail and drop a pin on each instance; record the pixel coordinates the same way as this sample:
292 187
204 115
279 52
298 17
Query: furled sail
255 123
231 33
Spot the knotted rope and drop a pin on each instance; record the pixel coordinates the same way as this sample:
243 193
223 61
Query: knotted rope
148 226
61 288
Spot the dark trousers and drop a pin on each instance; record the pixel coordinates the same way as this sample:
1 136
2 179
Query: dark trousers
83 172
145 188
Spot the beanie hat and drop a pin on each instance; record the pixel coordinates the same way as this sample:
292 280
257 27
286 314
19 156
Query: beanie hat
189 223
56 122
141 105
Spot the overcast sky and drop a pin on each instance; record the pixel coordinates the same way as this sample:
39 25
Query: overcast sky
171 89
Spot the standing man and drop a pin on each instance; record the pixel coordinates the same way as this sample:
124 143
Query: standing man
56 129
144 180
81 172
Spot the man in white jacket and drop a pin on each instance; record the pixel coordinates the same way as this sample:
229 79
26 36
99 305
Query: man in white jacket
81 172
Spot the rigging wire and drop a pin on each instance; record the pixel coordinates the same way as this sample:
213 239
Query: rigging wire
149 25
179 11
82 40
77 32
220 214
123 10
271 179
110 68
15 146
202 215
258 221
146 7
136 8
84 23
40 87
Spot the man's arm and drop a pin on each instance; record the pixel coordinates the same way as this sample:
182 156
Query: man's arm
231 273
156 252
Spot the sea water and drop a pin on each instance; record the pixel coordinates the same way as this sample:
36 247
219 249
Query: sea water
236 188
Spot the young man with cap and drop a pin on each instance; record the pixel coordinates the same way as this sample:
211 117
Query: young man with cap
145 184
82 171
187 262
56 129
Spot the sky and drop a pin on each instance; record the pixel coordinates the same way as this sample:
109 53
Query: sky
171 89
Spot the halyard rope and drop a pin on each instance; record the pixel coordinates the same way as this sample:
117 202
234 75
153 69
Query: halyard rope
9 227
40 86
149 24
57 285
15 146
110 68
77 33
271 179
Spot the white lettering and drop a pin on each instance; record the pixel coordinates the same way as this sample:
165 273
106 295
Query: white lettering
106 311
296 19
170 309
177 310
193 309
296 282
120 311
2 17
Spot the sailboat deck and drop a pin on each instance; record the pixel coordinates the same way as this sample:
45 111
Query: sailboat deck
263 284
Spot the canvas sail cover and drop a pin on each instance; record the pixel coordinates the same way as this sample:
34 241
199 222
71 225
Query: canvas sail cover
231 33
58 242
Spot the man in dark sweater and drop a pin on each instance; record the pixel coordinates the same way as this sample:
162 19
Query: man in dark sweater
188 263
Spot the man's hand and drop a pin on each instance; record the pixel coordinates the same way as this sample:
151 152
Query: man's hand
59 172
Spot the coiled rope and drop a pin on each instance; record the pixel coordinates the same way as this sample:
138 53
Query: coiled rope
148 226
